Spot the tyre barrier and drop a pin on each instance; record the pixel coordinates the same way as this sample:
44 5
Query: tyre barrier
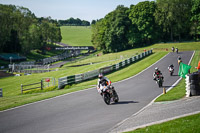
194 76
194 79
194 82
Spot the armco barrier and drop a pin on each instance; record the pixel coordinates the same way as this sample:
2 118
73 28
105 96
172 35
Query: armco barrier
91 74
1 92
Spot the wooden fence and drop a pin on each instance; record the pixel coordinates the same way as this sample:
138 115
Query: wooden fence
22 86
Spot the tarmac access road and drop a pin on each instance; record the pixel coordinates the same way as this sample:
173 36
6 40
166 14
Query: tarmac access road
85 111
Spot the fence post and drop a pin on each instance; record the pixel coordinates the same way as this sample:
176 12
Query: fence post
22 88
1 92
41 85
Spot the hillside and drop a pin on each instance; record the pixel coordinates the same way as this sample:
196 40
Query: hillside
76 35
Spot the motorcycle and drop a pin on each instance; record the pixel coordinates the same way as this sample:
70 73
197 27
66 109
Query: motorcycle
109 93
177 50
171 70
159 81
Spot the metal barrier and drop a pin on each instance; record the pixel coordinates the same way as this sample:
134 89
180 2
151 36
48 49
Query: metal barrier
91 74
1 92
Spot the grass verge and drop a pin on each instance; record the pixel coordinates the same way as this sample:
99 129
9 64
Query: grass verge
189 124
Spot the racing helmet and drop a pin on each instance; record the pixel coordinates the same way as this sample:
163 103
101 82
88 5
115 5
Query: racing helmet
156 68
100 75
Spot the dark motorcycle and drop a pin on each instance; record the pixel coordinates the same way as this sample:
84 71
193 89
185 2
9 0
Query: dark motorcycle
159 81
177 50
171 70
109 93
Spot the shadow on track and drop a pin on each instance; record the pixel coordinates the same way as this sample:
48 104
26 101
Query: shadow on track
124 102
175 75
168 86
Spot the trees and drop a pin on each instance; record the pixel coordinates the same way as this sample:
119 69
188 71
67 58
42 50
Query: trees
73 22
6 24
147 23
93 22
173 17
111 33
142 17
195 19
21 31
98 35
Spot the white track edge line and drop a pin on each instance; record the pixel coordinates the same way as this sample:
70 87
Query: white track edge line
120 123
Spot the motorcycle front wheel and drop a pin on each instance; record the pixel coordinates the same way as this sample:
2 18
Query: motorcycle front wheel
106 98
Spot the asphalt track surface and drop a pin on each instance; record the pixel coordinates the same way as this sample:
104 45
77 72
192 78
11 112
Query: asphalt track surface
85 111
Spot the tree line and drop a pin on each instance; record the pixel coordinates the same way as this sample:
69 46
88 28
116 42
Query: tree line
73 22
21 31
146 23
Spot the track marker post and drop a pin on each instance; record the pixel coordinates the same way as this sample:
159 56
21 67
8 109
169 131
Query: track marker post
164 91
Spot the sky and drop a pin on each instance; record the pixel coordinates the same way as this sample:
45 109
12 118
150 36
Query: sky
64 9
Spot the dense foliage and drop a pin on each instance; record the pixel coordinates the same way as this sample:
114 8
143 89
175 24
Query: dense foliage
73 22
146 23
111 33
21 31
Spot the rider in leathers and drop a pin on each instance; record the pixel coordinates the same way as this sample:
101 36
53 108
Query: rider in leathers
171 66
157 73
102 81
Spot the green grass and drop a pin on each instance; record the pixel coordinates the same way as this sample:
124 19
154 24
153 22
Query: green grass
176 93
34 55
179 91
189 124
184 46
11 85
76 35
12 92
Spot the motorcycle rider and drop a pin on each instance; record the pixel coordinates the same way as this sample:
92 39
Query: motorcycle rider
172 49
171 66
157 73
179 60
102 80
177 50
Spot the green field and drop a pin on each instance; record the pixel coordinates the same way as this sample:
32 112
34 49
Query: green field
76 35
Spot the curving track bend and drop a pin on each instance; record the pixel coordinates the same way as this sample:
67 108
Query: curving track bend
85 111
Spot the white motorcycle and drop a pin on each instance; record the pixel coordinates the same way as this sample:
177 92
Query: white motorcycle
109 93
171 70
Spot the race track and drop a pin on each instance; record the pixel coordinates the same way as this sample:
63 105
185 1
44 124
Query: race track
85 111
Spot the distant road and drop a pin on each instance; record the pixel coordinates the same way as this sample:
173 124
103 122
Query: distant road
62 44
85 111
